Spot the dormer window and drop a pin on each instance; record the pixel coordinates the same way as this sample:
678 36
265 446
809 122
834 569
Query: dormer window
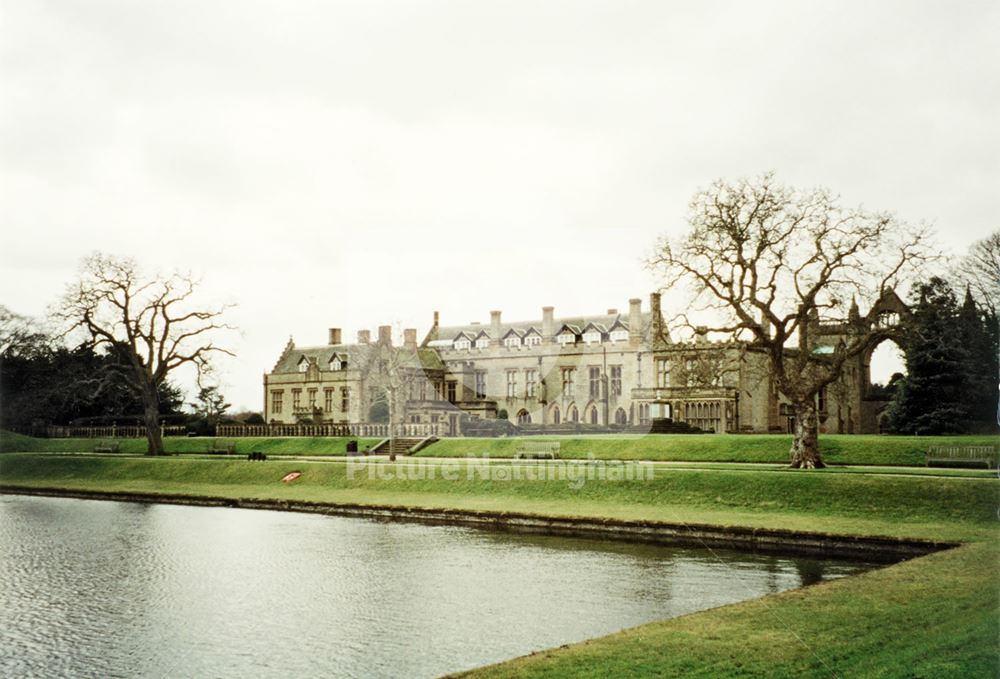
619 335
303 364
337 364
592 337
512 342
532 341
463 344
566 338
483 343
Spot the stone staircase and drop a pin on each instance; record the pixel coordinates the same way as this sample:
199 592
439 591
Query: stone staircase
398 446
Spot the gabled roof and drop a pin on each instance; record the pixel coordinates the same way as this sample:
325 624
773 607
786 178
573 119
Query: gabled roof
599 327
532 330
575 329
355 355
465 334
513 331
535 326
483 333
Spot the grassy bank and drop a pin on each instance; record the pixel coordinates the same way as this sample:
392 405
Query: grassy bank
10 442
938 508
937 616
751 448
836 449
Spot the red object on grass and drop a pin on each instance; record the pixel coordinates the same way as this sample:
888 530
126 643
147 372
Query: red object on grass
290 476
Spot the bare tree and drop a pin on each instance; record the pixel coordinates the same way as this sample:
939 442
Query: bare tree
980 271
18 333
146 323
390 374
767 263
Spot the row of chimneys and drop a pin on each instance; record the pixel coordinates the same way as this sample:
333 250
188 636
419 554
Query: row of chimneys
548 324
549 328
384 336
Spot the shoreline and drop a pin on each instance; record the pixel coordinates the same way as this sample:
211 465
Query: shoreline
761 540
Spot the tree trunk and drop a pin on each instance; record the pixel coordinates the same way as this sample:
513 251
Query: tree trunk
805 448
151 417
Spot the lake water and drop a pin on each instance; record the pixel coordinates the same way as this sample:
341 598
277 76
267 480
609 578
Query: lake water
108 589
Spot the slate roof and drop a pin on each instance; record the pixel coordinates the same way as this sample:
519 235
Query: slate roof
354 354
450 332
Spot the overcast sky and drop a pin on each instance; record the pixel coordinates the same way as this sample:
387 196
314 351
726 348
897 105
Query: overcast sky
332 164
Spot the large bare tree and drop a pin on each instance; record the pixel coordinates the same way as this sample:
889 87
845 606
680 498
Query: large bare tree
390 374
980 270
147 323
767 263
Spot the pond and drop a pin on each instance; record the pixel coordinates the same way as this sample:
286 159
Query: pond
92 588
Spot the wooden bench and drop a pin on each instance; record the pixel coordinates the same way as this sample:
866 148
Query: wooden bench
225 447
962 455
537 450
106 448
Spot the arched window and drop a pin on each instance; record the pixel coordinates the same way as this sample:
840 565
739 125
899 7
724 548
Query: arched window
574 414
593 415
523 416
555 414
621 417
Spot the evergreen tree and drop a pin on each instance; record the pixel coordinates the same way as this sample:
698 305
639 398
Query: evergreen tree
933 398
977 331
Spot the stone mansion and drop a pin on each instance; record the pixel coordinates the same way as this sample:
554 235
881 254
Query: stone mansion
604 372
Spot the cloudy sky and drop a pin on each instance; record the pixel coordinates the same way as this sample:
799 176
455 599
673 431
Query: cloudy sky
334 164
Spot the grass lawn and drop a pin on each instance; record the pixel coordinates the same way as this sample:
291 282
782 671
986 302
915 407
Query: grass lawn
750 448
898 506
835 449
936 616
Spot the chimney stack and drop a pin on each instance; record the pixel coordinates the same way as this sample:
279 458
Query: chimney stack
364 336
410 338
385 335
548 323
701 335
437 318
657 318
612 312
765 323
495 326
334 336
634 320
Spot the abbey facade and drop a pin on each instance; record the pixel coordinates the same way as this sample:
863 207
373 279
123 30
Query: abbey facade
605 372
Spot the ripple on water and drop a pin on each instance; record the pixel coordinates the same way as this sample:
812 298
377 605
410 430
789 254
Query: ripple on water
115 589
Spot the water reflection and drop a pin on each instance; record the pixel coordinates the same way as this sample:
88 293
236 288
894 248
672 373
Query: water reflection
112 589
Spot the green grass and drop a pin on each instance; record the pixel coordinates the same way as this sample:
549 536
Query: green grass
756 448
835 448
936 617
904 506
10 442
